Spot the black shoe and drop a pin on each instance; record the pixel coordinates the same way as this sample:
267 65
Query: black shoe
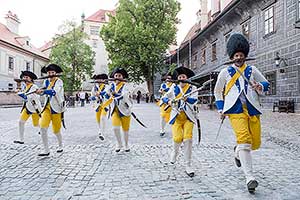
251 185
43 154
39 133
162 134
101 137
237 161
192 174
127 150
60 151
18 142
118 150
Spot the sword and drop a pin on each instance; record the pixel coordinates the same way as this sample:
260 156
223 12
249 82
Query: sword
135 117
220 126
196 109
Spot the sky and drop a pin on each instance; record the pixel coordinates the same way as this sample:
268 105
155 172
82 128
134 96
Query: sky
40 19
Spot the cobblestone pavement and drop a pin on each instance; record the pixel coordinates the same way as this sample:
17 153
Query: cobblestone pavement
90 169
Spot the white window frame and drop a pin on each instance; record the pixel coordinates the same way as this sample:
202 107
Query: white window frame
269 20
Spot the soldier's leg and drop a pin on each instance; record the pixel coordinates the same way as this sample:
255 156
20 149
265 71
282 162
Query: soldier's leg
116 123
56 126
23 118
188 143
125 120
177 132
44 125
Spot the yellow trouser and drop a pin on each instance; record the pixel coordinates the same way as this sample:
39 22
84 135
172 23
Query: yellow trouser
34 116
47 117
165 114
99 113
182 129
246 128
123 121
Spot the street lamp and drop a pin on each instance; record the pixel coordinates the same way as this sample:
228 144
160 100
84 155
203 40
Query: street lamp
278 60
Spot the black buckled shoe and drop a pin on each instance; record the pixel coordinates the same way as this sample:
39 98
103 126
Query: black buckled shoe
101 137
251 185
18 142
162 134
44 154
59 150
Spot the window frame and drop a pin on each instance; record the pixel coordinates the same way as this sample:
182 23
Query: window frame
11 61
28 66
203 56
298 11
93 30
214 51
273 85
269 20
247 35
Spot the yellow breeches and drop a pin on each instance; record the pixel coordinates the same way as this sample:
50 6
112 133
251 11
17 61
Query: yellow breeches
47 117
165 114
34 116
246 128
99 113
123 121
182 129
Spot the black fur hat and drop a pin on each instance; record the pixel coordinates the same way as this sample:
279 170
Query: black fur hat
237 43
119 70
183 70
100 76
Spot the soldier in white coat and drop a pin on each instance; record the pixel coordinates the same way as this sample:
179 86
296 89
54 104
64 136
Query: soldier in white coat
182 117
237 96
99 97
121 106
54 107
31 103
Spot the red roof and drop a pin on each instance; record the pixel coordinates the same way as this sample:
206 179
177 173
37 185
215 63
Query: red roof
46 46
99 16
193 31
16 40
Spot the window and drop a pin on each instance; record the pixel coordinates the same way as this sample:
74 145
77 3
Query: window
227 36
27 42
94 30
10 86
269 20
298 10
245 29
10 63
194 61
271 77
214 51
203 56
27 66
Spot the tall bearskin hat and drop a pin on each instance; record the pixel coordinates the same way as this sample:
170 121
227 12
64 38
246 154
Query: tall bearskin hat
237 43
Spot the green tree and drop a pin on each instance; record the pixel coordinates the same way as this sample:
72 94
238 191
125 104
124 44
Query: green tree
74 56
138 36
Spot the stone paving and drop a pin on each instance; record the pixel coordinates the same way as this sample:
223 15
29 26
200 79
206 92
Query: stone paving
90 169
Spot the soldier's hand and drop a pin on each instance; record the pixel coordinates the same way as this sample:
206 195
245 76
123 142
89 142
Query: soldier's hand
257 86
40 91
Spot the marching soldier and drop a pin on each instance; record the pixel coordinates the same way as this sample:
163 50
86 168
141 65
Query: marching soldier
182 116
54 107
31 106
164 114
239 101
99 96
121 105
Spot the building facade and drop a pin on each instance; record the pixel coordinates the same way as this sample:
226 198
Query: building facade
17 54
273 30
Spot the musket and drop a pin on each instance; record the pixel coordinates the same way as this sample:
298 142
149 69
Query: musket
116 79
22 80
183 81
189 94
196 109
236 60
51 76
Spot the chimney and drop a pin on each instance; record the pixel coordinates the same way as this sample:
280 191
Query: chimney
204 13
215 8
12 22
